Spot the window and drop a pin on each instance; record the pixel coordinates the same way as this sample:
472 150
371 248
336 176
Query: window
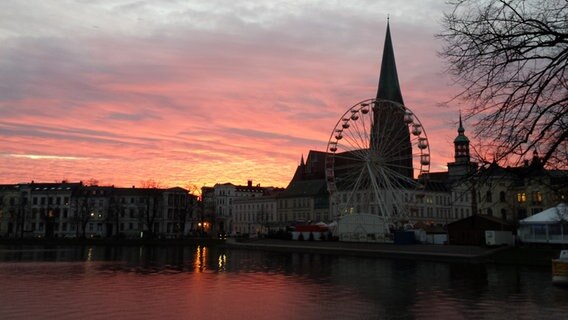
537 197
503 214
488 196
521 197
502 196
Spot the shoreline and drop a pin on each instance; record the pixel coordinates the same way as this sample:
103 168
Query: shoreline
519 255
445 253
111 242
540 256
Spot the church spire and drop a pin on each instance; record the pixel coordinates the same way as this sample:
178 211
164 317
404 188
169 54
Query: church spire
461 130
388 124
389 88
461 145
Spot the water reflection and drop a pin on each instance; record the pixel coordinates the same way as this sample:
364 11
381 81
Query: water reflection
215 282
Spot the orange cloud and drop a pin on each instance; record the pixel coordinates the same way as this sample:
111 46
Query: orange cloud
182 102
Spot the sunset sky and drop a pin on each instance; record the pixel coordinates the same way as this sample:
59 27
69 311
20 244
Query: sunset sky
200 92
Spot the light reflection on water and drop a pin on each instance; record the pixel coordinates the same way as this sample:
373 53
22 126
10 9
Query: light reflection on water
217 283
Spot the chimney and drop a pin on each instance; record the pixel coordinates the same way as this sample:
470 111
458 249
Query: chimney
249 183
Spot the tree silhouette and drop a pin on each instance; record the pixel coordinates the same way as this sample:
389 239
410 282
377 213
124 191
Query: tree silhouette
511 57
154 204
83 209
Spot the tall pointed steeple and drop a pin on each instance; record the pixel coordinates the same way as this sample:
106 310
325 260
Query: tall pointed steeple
390 136
389 88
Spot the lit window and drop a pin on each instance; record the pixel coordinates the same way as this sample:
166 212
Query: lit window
537 197
521 197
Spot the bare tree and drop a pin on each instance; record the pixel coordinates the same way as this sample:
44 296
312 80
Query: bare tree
114 209
92 182
154 204
188 207
14 209
193 189
511 56
83 210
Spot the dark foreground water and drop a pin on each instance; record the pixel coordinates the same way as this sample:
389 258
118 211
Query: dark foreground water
217 283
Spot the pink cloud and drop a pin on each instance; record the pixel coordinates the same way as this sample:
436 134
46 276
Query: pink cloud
179 104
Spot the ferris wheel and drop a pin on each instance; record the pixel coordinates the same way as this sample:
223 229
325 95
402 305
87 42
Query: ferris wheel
377 154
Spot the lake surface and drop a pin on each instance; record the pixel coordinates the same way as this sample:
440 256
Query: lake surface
219 283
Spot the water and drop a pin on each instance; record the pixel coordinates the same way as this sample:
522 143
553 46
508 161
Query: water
218 283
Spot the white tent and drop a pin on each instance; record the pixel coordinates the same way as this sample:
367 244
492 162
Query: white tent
548 226
362 227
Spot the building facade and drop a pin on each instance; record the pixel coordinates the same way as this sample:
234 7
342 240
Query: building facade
224 200
76 210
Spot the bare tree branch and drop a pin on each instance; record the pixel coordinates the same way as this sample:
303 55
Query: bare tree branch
511 56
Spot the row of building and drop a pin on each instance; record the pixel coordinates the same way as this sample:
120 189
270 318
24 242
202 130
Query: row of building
508 194
68 209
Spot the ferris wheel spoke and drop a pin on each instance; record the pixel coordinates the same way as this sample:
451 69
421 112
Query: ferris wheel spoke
353 152
386 191
356 186
360 130
392 147
393 176
354 140
373 179
401 181
352 156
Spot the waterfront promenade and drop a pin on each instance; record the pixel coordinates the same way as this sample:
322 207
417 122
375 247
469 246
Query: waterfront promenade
418 251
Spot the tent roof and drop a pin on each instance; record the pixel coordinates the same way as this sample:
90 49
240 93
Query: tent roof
550 215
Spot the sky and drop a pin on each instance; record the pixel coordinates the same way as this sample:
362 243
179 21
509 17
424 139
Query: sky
203 92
